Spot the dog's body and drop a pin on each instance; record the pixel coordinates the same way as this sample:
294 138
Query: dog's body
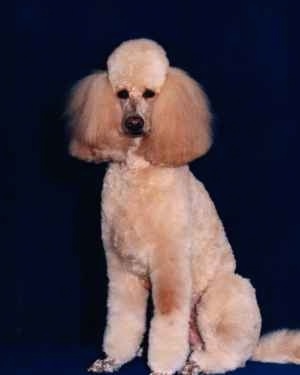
159 224
161 231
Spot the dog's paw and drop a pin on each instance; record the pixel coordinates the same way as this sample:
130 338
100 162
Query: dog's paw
161 373
104 365
191 368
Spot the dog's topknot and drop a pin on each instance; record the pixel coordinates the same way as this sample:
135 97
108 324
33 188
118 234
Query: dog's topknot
140 63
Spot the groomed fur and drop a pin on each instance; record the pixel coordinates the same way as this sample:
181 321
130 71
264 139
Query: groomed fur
161 231
138 63
95 117
181 123
281 346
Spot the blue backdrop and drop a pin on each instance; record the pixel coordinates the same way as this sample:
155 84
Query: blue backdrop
238 51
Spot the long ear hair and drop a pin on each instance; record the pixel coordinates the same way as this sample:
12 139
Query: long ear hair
95 117
180 123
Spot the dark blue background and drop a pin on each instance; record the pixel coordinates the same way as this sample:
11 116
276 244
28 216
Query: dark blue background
238 50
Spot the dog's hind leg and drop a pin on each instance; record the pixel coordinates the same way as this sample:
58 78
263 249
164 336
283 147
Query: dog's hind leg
229 321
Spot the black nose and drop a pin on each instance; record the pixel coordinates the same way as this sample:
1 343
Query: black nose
134 125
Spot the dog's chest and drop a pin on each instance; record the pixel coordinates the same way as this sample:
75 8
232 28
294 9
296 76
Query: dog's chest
138 207
127 211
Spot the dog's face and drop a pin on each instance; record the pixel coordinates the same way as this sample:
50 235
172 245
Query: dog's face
137 70
136 105
140 97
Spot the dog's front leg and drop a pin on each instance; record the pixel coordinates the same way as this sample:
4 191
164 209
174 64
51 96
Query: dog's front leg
171 285
126 319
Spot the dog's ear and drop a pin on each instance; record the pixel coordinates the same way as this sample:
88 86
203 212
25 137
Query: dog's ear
95 117
181 129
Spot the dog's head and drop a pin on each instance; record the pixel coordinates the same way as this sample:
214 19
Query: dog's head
139 102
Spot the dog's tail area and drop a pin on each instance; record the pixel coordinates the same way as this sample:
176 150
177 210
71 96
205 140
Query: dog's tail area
281 346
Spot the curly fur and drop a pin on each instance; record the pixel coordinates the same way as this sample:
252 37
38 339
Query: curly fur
161 231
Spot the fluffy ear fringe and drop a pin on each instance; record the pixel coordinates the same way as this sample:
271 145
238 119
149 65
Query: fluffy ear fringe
181 130
94 118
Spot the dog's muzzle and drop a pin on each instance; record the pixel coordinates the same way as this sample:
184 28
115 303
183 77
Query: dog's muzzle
134 126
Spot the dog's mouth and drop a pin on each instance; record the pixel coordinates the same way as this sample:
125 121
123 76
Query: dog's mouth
134 133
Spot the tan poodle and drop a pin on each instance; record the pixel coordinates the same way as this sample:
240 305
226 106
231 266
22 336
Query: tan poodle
161 231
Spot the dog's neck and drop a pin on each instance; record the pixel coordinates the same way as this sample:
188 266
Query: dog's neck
135 162
132 160
136 174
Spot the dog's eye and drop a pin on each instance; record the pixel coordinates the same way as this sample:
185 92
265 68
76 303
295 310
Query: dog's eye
148 94
123 94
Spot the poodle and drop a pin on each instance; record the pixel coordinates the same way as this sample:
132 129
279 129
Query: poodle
161 231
